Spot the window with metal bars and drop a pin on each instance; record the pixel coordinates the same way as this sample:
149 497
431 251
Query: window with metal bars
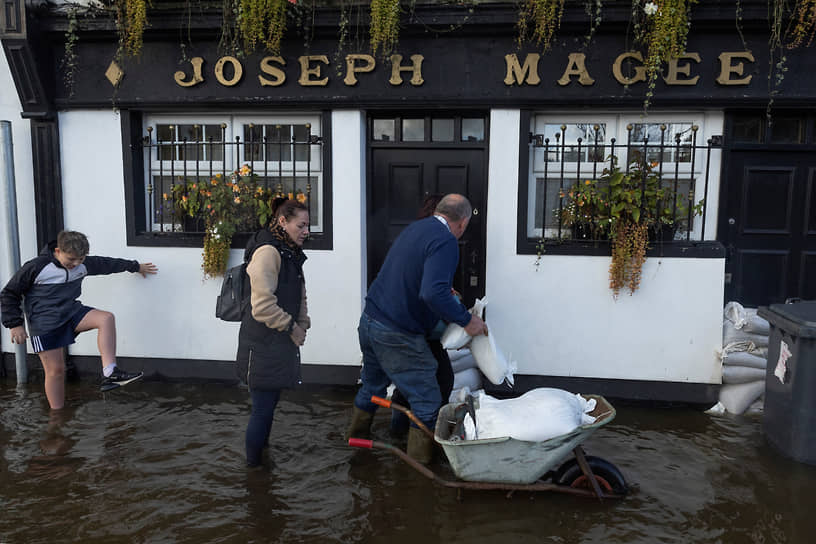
567 152
280 156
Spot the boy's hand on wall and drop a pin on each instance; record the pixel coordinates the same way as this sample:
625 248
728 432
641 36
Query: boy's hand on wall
147 268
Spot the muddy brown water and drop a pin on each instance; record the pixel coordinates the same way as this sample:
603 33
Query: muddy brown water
158 462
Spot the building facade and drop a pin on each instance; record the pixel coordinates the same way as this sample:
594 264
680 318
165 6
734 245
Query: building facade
458 106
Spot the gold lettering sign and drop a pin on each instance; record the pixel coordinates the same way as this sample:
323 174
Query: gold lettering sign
727 68
675 68
397 68
306 71
197 77
576 66
640 71
519 74
269 69
352 68
237 71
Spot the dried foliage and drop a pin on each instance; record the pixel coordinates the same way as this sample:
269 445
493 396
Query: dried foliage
538 21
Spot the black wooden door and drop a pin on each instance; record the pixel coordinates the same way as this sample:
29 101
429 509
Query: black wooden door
399 179
769 226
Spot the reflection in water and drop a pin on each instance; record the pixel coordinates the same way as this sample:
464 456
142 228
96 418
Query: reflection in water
168 461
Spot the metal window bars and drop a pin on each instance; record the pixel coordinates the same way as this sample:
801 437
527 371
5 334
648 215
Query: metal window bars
636 154
176 160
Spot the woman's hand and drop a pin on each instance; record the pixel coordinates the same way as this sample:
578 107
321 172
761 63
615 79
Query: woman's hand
298 335
18 335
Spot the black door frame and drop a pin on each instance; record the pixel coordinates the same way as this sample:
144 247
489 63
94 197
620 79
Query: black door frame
427 143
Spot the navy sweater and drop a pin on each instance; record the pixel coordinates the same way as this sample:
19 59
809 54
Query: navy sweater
412 291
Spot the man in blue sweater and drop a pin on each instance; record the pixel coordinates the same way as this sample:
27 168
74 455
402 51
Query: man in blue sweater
411 293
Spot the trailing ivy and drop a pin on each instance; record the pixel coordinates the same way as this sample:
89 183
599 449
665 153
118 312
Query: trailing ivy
261 23
662 28
131 21
384 27
70 60
803 24
538 21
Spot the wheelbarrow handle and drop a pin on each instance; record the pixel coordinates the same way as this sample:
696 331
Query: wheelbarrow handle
379 401
361 443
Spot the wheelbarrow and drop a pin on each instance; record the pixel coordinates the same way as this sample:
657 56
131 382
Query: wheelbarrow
516 465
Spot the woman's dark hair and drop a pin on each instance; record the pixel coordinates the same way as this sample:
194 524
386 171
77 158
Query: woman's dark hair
429 205
287 208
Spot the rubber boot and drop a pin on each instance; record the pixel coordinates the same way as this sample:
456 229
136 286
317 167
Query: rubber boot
420 445
399 424
360 426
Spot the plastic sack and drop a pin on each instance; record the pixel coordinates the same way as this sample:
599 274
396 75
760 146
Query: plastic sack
455 336
538 415
739 396
491 361
469 377
742 374
746 319
463 363
745 358
454 354
732 335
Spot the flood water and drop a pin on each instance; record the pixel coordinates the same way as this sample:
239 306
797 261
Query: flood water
158 462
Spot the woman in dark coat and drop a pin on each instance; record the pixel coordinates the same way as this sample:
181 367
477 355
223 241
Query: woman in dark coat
274 324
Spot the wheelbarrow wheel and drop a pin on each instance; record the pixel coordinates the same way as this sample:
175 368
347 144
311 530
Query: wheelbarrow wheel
606 474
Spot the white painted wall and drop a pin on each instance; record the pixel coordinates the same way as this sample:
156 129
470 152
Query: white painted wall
10 109
171 315
560 318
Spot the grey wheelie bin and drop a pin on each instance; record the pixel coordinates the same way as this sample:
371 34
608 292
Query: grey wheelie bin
789 419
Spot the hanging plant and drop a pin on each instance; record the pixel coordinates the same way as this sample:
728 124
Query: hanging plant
662 28
262 22
803 24
538 21
70 60
384 29
131 21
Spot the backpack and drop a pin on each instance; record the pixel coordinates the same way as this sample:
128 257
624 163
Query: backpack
230 304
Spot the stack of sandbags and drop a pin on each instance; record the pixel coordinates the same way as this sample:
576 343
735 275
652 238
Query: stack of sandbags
744 357
466 376
489 358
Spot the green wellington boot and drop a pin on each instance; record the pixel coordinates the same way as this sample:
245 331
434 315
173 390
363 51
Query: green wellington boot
360 426
420 445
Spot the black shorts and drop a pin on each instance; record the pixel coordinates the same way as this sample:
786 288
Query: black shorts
62 336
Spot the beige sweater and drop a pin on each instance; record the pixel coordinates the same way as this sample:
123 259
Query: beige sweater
263 271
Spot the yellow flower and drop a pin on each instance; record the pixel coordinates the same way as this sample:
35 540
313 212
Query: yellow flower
184 198
587 182
164 195
301 198
237 200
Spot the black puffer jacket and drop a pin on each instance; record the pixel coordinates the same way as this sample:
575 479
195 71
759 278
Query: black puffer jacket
267 358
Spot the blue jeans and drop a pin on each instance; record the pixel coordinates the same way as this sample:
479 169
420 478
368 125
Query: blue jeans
402 358
260 423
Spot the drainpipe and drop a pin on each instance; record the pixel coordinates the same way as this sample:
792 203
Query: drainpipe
8 201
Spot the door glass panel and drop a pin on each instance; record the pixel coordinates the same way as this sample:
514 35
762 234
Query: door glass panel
473 130
749 129
384 130
442 130
413 130
787 130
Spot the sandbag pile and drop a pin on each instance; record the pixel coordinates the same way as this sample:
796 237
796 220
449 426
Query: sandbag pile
485 352
466 375
538 415
744 357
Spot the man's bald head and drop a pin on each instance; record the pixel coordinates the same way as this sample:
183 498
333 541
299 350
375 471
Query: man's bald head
454 207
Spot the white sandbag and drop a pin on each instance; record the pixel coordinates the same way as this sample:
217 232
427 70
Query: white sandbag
744 358
454 354
455 336
491 361
739 396
539 414
460 395
742 374
463 363
732 335
470 377
746 319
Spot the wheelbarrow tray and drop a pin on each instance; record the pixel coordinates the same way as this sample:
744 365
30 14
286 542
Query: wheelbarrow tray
507 460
